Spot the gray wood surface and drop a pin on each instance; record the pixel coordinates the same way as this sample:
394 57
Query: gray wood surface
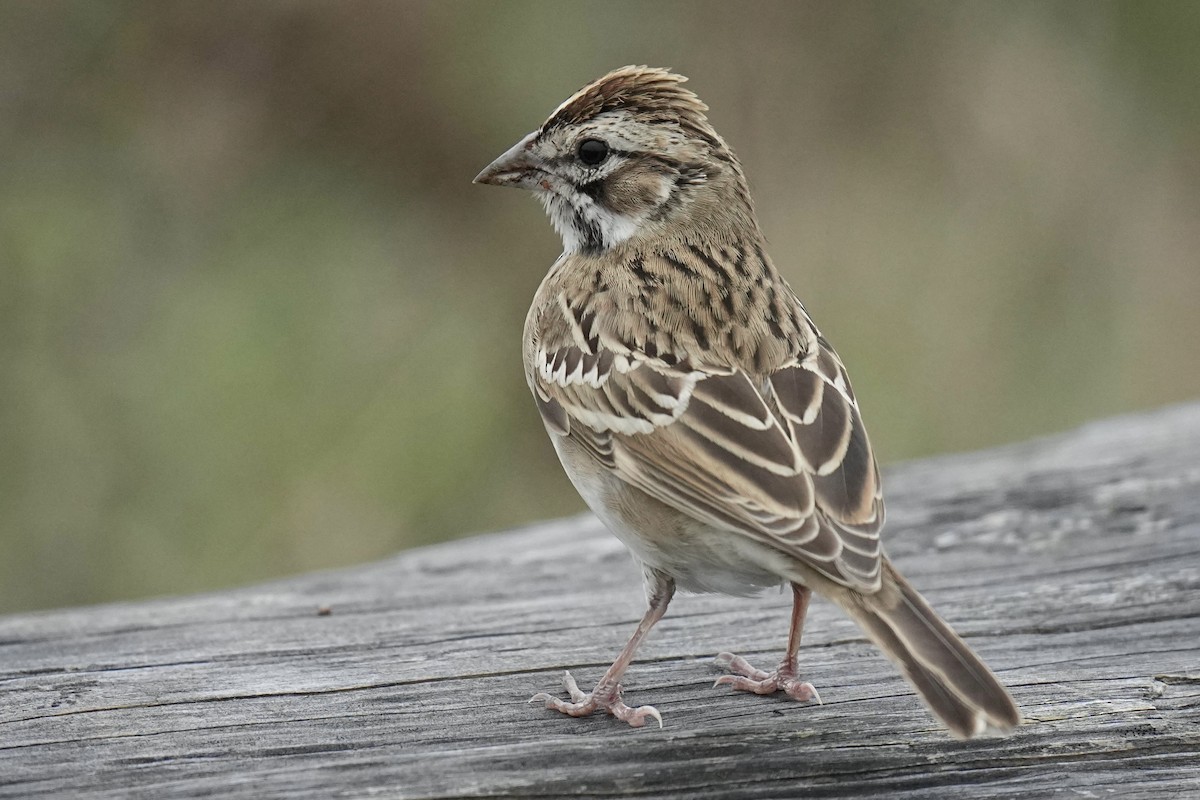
1072 564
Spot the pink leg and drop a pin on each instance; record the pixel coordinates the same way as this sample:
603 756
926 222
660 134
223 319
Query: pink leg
784 678
607 694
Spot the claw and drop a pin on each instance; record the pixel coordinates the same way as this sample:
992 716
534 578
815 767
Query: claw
725 680
636 717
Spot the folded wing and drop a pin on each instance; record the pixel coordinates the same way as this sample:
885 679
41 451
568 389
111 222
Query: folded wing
784 460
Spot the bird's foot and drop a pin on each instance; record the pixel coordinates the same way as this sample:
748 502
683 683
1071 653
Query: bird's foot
601 698
747 678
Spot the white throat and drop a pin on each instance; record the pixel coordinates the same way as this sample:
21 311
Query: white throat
586 225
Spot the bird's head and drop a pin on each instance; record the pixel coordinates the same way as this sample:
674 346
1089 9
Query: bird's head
628 156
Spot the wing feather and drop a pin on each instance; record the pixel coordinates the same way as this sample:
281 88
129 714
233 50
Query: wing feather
784 460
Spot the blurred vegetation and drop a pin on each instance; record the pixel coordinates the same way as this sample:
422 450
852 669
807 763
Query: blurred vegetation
254 318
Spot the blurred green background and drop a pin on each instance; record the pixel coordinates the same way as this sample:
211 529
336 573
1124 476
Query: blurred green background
255 319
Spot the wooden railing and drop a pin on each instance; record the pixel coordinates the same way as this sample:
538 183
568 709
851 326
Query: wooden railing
1072 564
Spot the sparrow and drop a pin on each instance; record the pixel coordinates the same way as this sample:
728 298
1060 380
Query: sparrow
696 407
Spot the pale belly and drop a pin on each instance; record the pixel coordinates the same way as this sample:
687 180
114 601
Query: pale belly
700 557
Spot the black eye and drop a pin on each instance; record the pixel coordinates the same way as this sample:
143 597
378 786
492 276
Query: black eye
592 151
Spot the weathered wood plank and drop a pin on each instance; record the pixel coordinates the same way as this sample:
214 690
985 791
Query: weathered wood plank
1072 564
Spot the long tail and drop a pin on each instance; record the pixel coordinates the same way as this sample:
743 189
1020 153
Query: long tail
956 685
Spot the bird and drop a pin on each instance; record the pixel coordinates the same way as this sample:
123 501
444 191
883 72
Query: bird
696 407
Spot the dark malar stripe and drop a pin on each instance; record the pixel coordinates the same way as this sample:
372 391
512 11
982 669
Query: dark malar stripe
592 239
594 190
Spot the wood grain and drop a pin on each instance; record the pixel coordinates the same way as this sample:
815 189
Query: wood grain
1072 564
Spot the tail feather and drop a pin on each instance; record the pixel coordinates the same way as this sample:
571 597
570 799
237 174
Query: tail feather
956 685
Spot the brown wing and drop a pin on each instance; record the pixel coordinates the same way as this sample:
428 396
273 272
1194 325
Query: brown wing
785 460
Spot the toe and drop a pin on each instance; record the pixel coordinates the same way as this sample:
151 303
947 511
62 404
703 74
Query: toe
572 688
742 684
740 666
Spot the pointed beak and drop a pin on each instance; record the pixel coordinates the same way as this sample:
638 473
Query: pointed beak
519 166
